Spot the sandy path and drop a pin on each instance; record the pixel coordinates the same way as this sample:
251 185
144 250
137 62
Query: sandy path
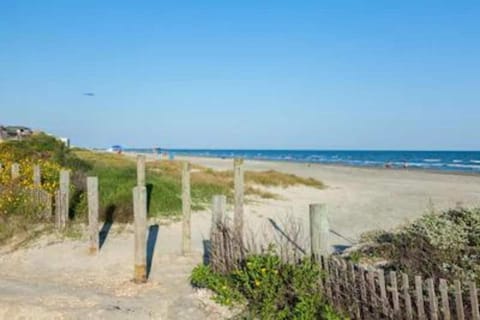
60 280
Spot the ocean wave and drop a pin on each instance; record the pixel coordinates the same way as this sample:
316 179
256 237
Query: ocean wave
425 165
432 160
475 161
457 161
465 166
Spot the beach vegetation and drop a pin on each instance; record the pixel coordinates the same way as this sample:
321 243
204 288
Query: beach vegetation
437 245
268 288
117 177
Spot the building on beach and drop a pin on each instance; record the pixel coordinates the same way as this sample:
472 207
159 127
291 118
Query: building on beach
14 132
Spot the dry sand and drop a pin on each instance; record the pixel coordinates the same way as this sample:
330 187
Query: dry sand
361 199
54 279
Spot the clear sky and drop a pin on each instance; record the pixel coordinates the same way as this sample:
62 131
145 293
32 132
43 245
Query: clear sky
244 74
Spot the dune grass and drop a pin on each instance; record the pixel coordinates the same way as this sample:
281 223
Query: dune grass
117 177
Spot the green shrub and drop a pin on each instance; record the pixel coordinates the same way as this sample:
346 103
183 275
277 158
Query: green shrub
445 245
271 288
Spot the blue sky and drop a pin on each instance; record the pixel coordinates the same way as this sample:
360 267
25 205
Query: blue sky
244 74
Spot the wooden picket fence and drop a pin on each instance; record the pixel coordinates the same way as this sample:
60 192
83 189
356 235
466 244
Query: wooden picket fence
374 294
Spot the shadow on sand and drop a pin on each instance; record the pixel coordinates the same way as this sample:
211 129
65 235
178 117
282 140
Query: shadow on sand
151 242
207 246
107 225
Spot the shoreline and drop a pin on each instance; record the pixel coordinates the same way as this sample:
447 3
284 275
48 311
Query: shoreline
322 164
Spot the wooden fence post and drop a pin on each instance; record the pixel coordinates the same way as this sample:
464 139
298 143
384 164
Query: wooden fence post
459 300
474 301
432 299
319 230
186 208
239 197
92 189
406 297
395 296
140 226
443 286
37 176
219 203
419 296
64 197
141 170
383 292
15 170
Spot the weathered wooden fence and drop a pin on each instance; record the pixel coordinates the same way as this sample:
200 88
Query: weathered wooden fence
374 294
351 289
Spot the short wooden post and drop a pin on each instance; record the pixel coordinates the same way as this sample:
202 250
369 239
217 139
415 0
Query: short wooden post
92 190
406 297
64 197
355 290
37 176
383 292
319 230
140 227
459 300
419 296
443 286
219 203
363 291
474 301
373 292
239 197
15 170
140 170
432 299
395 296
186 208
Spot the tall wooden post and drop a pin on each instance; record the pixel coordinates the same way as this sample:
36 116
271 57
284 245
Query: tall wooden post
186 208
37 176
140 226
15 170
319 230
140 170
216 254
239 197
63 198
92 189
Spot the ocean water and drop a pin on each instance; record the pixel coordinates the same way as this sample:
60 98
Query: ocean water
456 161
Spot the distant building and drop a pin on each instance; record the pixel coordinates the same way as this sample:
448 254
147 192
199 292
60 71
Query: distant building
66 141
14 132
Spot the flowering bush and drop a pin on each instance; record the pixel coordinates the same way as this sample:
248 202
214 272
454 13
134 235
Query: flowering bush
14 192
272 289
19 207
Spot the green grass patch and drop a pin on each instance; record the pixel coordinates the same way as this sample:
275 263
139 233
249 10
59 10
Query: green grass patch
117 177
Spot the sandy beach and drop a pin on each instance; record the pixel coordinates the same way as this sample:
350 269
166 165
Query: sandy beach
359 199
37 279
